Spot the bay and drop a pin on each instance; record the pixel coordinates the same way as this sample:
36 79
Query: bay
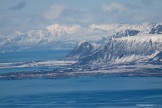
100 91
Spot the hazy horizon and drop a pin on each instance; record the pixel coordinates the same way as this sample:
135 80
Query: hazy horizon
24 15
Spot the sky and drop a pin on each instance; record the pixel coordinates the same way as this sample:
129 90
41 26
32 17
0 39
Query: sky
24 15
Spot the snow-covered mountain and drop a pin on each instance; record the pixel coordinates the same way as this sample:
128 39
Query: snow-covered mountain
58 36
54 36
114 28
114 49
122 50
157 29
44 37
157 59
82 50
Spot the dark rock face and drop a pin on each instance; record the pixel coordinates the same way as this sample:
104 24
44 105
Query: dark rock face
117 49
157 59
82 50
156 30
126 33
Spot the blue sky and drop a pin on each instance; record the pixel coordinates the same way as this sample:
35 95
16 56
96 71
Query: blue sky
24 15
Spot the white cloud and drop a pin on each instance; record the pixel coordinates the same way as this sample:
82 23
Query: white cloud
54 12
113 6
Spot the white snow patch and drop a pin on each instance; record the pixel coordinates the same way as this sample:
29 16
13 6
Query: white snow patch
67 29
35 64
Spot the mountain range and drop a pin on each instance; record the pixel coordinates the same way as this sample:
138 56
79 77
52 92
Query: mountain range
113 49
141 48
127 43
58 36
119 50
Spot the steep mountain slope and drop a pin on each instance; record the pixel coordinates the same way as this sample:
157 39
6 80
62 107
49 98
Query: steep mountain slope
157 59
82 50
126 49
157 29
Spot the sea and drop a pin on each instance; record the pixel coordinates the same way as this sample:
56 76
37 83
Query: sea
100 91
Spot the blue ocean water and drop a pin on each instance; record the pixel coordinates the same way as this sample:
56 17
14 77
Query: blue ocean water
36 55
77 92
26 57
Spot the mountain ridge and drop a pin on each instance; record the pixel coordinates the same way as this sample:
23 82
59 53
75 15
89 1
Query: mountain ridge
58 36
122 50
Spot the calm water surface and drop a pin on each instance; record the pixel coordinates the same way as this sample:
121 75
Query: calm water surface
79 92
27 57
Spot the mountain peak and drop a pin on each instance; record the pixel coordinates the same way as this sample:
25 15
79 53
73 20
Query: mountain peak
57 36
64 29
83 49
